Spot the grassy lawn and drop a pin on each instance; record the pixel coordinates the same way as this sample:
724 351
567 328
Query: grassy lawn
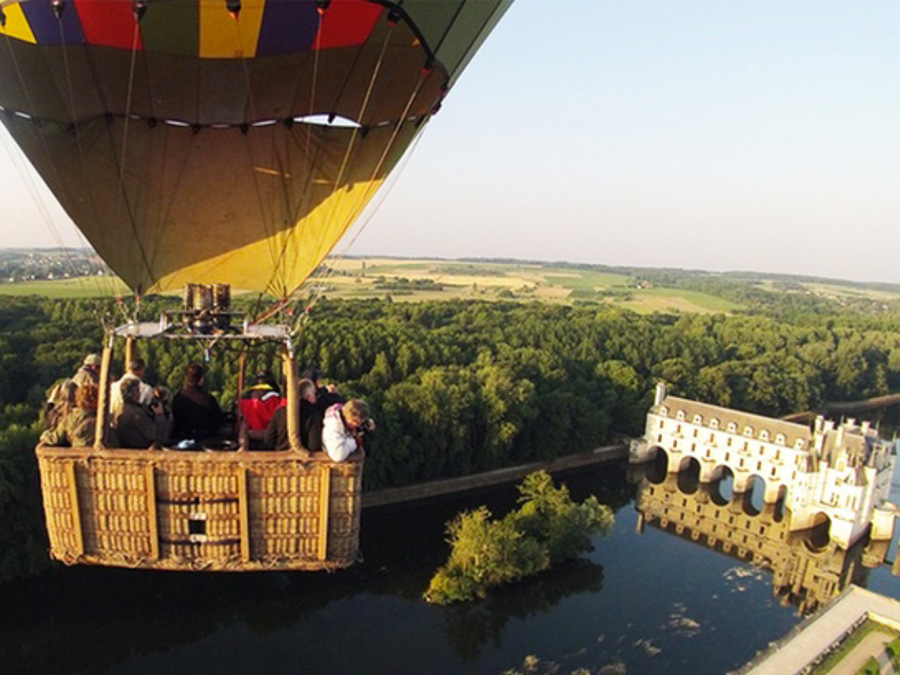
460 280
80 287
838 655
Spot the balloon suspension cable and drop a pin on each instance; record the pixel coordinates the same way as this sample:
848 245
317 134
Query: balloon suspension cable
319 289
121 196
303 202
346 158
34 192
108 285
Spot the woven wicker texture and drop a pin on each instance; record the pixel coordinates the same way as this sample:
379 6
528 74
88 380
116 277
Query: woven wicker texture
231 511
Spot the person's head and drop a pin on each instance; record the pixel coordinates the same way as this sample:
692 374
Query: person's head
92 362
356 412
86 396
131 389
312 374
307 390
265 377
193 376
136 366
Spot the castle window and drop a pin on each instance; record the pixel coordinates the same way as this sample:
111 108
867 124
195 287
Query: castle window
664 411
748 431
714 423
695 433
662 424
698 419
680 415
779 439
763 435
732 428
799 444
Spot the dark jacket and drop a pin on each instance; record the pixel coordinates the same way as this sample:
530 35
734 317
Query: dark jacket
325 399
197 414
310 428
136 428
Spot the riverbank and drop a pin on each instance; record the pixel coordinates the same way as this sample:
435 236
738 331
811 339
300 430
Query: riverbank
510 474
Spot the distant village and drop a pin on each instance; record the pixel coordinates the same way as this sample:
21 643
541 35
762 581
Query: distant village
24 264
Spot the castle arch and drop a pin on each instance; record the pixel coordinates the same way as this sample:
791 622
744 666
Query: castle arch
753 499
689 475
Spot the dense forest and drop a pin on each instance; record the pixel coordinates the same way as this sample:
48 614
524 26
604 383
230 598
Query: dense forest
459 387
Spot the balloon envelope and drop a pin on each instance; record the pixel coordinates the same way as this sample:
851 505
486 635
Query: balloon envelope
185 138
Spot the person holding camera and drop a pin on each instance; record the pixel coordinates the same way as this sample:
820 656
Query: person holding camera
137 426
344 428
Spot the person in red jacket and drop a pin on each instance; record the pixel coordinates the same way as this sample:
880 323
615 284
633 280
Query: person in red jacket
260 402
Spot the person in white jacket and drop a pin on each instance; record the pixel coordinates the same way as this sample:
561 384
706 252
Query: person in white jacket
135 371
343 428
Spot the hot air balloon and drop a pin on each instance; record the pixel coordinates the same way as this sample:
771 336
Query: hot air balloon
211 144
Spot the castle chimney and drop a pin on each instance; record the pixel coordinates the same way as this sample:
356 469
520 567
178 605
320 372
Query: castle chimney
660 393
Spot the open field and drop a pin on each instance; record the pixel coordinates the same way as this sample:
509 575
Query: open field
81 287
421 280
413 280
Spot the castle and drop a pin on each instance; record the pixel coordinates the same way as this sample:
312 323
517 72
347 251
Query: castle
834 473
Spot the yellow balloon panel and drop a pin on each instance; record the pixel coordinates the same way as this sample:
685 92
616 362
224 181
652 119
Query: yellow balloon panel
293 255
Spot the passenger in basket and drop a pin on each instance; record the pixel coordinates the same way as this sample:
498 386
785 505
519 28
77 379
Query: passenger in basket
61 396
89 373
260 401
138 426
197 413
77 428
345 427
135 371
326 395
310 422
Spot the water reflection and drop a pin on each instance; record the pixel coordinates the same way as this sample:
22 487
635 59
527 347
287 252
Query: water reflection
807 568
470 626
101 620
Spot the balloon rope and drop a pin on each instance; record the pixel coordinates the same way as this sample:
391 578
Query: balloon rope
279 268
29 179
367 194
121 196
343 167
110 287
317 292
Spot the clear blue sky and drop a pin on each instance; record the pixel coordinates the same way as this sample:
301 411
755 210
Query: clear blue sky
755 135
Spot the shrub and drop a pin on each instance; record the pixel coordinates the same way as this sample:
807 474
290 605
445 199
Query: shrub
547 528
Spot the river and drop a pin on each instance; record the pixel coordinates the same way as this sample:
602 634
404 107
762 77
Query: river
639 603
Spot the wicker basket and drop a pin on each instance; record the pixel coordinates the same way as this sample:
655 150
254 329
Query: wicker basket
218 511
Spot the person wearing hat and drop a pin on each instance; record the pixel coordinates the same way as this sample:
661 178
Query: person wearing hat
61 395
260 401
89 372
